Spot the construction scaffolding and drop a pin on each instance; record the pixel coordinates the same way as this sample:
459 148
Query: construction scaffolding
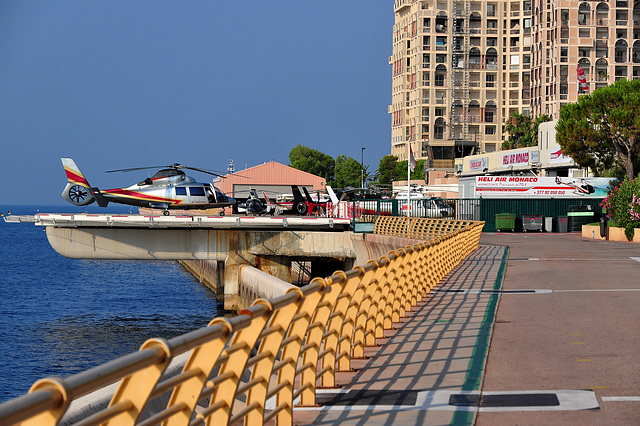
459 120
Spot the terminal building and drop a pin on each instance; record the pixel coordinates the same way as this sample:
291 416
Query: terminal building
461 68
545 160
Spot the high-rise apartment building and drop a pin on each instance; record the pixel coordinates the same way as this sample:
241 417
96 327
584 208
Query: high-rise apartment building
461 68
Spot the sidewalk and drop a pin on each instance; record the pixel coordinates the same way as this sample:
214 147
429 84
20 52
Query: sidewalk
432 356
564 343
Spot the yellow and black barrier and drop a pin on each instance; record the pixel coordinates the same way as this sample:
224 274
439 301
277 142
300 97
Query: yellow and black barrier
302 339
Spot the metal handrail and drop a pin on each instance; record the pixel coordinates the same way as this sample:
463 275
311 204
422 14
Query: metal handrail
324 325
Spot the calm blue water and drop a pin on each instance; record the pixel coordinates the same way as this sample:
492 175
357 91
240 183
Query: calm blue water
60 316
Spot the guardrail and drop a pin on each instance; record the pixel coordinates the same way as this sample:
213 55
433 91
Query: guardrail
285 348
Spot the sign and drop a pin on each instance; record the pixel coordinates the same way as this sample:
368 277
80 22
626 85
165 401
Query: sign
515 159
557 157
539 187
479 163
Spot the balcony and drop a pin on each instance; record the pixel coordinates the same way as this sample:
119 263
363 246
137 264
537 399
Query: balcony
441 164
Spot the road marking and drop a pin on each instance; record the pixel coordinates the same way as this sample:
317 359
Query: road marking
494 291
585 360
534 291
470 401
596 290
571 259
621 399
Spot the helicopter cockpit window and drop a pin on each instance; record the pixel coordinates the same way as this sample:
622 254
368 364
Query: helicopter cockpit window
196 191
181 190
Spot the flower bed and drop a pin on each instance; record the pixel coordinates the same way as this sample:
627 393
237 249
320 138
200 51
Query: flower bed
615 233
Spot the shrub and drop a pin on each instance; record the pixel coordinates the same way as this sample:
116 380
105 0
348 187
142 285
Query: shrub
623 206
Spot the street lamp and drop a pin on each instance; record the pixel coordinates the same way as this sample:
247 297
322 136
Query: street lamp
362 167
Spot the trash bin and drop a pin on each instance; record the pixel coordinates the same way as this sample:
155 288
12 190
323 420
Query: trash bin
548 224
578 216
531 222
505 221
563 224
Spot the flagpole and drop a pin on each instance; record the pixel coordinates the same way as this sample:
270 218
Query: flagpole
409 178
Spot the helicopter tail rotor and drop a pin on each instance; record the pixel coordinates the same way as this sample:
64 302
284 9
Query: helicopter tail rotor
78 191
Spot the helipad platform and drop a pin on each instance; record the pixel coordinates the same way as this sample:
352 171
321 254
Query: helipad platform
206 222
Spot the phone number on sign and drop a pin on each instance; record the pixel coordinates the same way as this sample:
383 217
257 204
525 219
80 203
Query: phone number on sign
548 192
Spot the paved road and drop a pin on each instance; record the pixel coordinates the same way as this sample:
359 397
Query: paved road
562 348
585 334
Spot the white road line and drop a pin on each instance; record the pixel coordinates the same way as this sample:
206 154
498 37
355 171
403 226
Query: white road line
621 399
570 400
637 259
571 259
596 290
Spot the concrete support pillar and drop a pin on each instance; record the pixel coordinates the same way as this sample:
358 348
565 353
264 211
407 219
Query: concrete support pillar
277 266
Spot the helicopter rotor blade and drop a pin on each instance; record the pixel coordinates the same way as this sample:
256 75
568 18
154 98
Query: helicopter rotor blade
177 166
134 169
207 171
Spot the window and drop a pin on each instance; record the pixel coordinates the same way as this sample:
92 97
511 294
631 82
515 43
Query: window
196 191
492 41
181 190
441 59
488 117
439 112
490 130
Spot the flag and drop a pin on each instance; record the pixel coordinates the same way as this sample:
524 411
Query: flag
412 159
582 79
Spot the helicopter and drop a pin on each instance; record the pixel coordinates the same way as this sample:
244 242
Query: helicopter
169 188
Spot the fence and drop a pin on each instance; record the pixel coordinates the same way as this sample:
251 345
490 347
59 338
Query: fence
302 339
477 209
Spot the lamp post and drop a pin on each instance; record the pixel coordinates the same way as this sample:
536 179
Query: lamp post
362 167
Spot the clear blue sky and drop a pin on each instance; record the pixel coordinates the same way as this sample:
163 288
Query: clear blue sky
117 84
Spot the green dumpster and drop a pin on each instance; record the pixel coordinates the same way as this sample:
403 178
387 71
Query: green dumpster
578 216
505 221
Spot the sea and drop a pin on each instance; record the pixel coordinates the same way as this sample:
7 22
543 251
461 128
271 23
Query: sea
61 316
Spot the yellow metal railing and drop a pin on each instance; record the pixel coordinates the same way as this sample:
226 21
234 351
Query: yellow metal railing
284 348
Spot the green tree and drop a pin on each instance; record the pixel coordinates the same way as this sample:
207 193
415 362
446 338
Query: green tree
312 161
416 174
523 130
387 172
348 172
601 130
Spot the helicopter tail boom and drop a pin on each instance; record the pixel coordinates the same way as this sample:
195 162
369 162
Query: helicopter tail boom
78 191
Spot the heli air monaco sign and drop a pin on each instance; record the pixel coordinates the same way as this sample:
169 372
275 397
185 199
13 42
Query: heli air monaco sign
515 159
540 187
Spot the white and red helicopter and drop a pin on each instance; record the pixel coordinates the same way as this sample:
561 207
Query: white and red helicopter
169 188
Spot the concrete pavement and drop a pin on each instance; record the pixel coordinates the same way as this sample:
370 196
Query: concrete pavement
584 334
561 349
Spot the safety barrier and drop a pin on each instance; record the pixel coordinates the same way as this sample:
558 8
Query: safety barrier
270 354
